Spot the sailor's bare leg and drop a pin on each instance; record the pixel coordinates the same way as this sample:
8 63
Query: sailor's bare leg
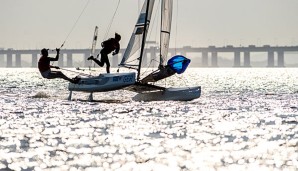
98 62
58 74
108 66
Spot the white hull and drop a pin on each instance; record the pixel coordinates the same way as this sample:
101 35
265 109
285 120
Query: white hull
104 82
170 94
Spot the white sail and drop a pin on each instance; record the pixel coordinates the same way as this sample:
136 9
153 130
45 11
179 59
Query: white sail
131 59
94 41
166 21
137 36
165 31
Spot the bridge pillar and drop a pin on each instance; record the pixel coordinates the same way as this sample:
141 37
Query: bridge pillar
69 60
61 60
9 60
34 60
1 57
214 59
205 59
18 60
247 59
270 59
281 60
183 53
237 59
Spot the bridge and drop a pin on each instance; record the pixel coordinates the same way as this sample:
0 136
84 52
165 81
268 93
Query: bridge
241 55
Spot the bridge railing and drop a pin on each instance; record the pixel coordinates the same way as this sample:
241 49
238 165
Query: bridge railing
13 57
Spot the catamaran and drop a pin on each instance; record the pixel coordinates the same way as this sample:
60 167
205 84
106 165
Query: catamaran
102 82
132 59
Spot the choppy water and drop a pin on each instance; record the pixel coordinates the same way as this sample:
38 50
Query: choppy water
246 119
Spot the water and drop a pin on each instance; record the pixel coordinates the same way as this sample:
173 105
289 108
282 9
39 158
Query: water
246 119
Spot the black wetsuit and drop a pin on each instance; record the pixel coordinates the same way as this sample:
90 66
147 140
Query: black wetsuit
109 46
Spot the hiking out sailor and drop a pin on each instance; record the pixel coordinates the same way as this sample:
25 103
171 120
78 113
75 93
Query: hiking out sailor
108 46
45 67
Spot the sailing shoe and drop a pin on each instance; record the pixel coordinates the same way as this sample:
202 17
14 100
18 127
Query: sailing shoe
90 58
76 80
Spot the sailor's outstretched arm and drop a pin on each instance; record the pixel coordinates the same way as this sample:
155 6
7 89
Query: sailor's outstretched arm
57 55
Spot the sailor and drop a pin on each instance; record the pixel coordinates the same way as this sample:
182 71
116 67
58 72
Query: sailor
45 67
108 46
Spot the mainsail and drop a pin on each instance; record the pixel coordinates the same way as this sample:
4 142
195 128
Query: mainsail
138 39
166 21
165 32
135 42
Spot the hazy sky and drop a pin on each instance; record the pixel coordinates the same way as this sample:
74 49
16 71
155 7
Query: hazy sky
30 24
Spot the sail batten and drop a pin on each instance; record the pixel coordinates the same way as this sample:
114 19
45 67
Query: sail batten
165 32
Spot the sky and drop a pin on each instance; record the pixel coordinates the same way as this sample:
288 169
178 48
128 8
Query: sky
31 24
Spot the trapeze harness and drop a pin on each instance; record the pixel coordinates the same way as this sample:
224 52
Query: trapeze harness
110 45
44 66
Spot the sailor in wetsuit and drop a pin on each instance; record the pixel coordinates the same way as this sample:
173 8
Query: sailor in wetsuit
45 67
108 46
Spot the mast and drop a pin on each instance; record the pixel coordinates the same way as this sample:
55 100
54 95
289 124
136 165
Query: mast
143 41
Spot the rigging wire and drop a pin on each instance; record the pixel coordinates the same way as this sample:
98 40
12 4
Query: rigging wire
75 23
150 32
176 33
73 26
80 73
176 26
109 27
181 78
177 12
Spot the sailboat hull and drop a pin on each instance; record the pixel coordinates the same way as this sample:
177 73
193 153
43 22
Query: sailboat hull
104 82
170 94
